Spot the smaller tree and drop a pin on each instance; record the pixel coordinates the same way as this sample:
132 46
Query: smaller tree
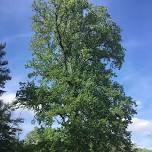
8 126
8 129
4 71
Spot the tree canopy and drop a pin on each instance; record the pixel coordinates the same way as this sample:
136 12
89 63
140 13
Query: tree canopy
76 48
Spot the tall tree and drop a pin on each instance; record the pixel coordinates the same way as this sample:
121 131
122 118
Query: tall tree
8 125
76 47
4 71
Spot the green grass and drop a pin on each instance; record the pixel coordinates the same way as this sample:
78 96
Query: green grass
144 150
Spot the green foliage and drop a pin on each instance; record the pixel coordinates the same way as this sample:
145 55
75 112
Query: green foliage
143 150
8 126
42 140
4 71
76 47
33 137
8 129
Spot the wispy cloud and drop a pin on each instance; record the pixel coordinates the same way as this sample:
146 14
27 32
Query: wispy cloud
137 44
142 125
133 44
14 37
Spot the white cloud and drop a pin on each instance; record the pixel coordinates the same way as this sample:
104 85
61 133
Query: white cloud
26 113
142 125
142 132
8 97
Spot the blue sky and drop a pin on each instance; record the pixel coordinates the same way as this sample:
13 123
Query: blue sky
133 17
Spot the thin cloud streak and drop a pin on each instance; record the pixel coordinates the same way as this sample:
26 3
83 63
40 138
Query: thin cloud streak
11 38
